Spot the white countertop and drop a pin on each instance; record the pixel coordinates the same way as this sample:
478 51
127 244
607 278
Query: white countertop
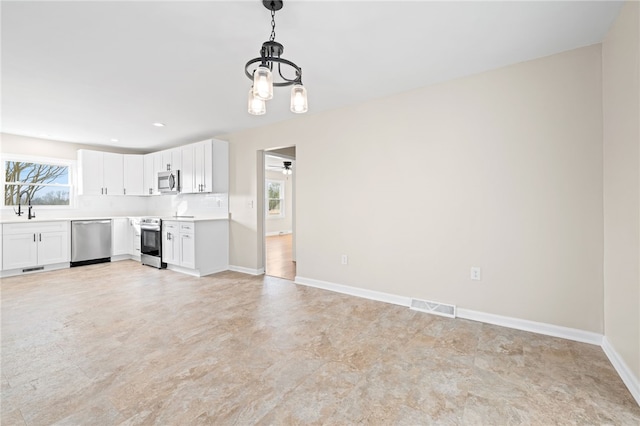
23 219
191 219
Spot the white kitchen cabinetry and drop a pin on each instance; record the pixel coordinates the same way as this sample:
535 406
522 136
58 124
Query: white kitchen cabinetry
150 181
134 230
101 173
205 167
133 174
187 249
33 246
187 173
121 237
171 159
197 248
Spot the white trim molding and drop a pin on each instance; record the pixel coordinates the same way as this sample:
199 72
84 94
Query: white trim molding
246 270
630 380
355 291
532 326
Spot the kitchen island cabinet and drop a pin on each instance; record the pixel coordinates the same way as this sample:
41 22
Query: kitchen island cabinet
199 247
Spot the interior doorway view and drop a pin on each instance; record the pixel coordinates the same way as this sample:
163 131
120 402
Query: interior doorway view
279 202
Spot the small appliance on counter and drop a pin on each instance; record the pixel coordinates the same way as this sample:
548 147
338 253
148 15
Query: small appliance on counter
169 182
151 242
90 241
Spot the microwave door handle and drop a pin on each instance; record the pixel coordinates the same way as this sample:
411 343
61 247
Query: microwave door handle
172 181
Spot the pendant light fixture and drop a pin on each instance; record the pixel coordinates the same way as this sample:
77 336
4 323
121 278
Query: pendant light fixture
286 170
274 70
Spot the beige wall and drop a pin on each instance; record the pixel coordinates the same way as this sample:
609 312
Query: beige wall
501 170
621 109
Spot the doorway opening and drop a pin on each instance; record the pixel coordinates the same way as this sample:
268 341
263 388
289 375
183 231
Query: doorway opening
279 212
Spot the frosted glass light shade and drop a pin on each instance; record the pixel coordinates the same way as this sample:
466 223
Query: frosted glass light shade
286 171
256 106
299 99
263 83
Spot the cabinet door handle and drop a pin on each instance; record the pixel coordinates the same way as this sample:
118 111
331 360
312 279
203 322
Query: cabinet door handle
101 191
168 236
124 190
106 191
40 237
34 238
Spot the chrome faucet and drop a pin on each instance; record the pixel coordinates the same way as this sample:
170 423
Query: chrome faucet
32 214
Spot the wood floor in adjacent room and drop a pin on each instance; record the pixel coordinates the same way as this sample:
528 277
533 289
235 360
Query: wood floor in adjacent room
280 262
122 343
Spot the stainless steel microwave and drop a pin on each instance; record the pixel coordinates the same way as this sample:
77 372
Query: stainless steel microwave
169 182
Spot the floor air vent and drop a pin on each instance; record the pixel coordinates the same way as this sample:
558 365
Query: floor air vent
433 308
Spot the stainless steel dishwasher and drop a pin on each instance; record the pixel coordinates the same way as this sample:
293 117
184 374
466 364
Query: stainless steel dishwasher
90 241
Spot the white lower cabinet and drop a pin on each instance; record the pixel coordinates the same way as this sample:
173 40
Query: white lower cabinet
34 245
121 239
134 223
197 248
169 242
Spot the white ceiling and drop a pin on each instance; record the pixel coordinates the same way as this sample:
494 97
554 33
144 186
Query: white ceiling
89 72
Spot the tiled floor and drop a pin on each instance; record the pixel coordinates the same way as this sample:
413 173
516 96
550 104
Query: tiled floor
128 344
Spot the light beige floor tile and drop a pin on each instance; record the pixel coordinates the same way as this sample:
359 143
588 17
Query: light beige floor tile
128 344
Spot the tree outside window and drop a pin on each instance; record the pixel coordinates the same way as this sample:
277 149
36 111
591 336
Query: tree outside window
41 184
275 198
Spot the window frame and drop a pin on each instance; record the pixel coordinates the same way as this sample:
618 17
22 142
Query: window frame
281 215
70 164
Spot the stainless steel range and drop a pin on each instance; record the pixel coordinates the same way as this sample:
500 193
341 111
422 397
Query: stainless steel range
151 242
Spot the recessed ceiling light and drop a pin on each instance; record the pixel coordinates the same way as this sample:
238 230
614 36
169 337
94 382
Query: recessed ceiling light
114 140
158 124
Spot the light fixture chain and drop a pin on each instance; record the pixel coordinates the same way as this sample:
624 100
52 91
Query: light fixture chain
273 25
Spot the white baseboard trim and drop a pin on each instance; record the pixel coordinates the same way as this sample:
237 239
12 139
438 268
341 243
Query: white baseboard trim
532 326
355 291
246 270
273 234
630 380
119 257
18 271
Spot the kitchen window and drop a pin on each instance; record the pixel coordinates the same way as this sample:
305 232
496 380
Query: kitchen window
275 198
42 182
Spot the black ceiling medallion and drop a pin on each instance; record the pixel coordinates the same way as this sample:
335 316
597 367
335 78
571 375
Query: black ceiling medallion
270 64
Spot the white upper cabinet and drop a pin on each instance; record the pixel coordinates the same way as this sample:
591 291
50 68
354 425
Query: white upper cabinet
219 168
133 168
113 176
91 170
101 173
187 173
152 165
205 167
171 159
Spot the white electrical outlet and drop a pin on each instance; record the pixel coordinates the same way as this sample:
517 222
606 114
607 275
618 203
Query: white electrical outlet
345 259
476 273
